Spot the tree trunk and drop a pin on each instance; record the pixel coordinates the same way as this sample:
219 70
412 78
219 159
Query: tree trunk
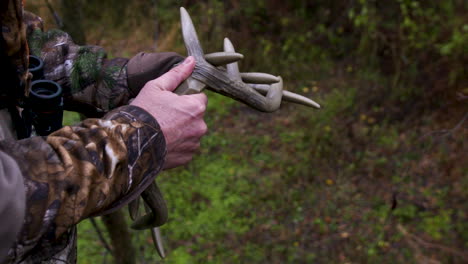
121 240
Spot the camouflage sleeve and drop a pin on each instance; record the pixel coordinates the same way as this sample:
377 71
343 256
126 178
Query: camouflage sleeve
11 202
92 83
80 171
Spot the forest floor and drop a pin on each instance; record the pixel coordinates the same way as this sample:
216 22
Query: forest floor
378 175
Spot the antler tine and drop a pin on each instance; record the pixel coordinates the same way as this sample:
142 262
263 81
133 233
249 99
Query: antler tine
287 95
192 44
259 81
158 242
259 77
133 207
221 82
223 58
158 215
232 68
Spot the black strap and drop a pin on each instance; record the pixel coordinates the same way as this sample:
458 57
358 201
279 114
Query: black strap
22 123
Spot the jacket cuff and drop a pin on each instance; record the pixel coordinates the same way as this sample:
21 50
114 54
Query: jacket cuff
12 202
146 150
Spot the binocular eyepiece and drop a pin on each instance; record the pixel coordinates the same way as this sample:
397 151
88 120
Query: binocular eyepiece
36 67
45 100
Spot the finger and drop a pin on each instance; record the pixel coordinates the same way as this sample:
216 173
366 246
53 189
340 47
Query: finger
195 132
173 161
198 131
196 104
203 130
187 148
170 80
200 97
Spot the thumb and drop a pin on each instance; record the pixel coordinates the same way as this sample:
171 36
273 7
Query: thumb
171 79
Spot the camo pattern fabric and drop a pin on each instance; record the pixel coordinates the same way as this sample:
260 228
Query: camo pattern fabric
81 171
92 84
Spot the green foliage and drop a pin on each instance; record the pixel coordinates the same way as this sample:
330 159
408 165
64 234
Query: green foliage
406 213
90 247
409 33
438 225
456 45
180 256
70 118
87 69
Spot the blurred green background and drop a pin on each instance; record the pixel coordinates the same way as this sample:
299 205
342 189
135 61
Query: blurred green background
378 175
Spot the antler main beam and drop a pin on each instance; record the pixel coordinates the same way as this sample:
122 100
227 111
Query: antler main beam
220 81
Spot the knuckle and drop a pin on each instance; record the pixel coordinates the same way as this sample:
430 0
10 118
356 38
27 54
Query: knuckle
201 108
194 147
204 98
200 98
196 107
203 128
176 70
200 131
151 83
172 77
154 85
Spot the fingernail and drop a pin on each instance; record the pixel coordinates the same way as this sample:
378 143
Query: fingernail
188 60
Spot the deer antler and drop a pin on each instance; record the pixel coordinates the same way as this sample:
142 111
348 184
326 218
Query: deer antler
156 216
230 82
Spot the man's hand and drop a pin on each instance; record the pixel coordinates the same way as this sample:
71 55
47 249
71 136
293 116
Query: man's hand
180 117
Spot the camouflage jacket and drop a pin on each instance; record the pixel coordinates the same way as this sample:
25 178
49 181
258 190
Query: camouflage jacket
84 170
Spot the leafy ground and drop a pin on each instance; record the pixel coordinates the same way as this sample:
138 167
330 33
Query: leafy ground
378 175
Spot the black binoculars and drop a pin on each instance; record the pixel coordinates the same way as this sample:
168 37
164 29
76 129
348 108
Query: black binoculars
45 100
